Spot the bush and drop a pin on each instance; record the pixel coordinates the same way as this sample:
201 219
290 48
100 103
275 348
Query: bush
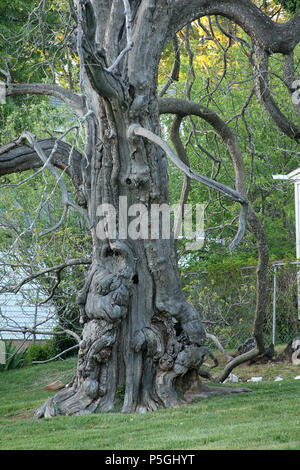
14 358
40 352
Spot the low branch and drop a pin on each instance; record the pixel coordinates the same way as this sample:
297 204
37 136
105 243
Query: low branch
57 356
74 100
234 363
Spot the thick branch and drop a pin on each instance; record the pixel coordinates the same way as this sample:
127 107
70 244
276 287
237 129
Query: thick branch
75 101
92 61
270 36
236 362
15 158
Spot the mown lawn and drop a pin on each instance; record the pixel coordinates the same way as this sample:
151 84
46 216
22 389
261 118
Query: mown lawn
268 417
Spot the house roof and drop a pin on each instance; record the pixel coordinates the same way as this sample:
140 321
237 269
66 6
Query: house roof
295 174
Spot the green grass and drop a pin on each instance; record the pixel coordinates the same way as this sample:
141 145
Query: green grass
266 418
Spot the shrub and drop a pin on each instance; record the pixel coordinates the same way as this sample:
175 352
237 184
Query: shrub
14 358
40 352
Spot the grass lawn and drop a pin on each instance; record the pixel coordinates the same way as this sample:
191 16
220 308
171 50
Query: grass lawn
266 418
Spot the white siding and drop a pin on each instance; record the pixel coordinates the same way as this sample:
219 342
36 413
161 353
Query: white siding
18 310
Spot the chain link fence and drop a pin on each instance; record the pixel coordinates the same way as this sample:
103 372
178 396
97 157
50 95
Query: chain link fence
226 301
23 319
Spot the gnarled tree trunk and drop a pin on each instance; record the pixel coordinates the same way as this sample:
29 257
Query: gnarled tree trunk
137 326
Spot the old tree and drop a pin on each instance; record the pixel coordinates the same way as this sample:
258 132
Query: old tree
138 328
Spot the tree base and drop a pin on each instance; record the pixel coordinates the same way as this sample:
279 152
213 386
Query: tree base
69 402
158 360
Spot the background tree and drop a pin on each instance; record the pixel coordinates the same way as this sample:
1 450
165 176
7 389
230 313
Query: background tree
218 57
137 325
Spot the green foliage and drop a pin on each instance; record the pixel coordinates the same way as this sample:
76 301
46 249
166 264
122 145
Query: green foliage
292 6
40 352
121 392
30 47
15 358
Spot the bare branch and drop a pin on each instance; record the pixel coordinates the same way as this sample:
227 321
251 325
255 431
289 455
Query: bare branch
219 346
57 356
25 330
57 268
